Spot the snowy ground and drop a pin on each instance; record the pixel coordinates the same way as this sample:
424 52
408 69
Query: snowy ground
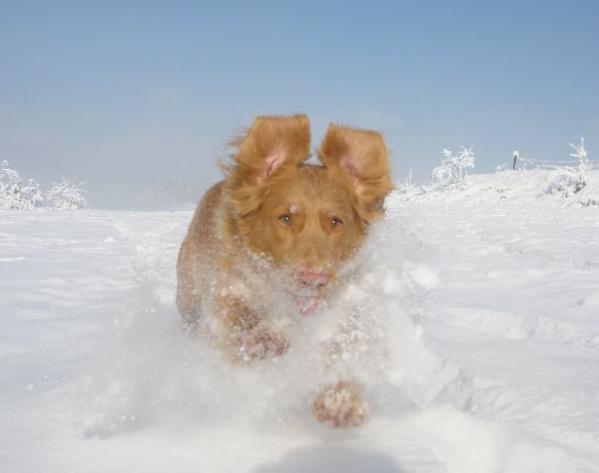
487 300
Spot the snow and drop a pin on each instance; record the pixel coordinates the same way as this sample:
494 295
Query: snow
474 316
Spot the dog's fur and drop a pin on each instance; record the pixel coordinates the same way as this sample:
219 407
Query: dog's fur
305 219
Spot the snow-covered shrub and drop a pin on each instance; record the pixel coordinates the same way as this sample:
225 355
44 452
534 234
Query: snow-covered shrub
16 193
32 194
453 169
67 194
584 163
568 180
406 185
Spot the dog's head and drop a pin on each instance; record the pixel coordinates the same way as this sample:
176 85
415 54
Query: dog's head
307 219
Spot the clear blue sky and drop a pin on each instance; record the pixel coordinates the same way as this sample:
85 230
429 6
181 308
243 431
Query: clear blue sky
134 92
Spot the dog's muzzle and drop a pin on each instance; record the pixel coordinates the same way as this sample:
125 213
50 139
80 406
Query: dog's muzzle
310 284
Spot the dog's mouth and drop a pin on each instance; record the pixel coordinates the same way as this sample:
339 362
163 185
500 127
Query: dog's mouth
310 287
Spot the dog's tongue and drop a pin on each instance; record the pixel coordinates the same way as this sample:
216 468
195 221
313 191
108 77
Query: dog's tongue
306 305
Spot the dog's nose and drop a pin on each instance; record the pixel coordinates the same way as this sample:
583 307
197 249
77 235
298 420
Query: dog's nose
313 277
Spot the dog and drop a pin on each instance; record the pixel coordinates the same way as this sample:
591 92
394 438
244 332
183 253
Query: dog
306 220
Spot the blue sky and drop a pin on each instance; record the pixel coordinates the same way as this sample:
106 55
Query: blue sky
131 93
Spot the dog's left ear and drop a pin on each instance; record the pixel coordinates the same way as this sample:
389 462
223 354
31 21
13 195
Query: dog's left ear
361 155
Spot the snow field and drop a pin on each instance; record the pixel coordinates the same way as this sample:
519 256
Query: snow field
474 320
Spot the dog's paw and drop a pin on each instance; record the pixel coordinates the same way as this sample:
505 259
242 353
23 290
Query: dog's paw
340 405
263 343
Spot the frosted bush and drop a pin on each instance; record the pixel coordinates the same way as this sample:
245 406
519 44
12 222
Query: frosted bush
16 193
568 180
10 184
407 186
67 194
453 169
584 163
32 194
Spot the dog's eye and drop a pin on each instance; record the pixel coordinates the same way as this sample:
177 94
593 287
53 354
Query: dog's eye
285 219
336 223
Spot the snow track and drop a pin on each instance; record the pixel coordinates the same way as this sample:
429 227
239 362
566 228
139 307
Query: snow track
489 313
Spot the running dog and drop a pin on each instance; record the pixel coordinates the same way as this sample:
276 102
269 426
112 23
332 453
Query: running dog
305 220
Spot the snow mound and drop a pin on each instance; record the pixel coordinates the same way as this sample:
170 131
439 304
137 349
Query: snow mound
521 186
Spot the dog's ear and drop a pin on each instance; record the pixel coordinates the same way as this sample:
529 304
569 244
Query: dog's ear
361 155
271 144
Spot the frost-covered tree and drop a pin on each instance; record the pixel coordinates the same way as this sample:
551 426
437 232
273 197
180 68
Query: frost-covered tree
32 194
67 194
10 183
584 163
16 193
568 180
453 169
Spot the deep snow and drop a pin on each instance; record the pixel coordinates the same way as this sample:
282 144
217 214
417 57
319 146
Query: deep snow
475 314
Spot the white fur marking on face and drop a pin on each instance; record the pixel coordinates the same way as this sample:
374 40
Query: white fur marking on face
294 209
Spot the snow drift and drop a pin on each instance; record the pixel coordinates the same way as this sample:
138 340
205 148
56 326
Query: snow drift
474 316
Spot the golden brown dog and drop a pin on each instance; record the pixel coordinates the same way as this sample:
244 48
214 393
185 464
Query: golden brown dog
275 211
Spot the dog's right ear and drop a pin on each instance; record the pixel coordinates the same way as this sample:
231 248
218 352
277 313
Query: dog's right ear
271 144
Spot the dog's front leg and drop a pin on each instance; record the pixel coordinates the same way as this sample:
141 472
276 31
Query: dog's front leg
341 405
245 335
